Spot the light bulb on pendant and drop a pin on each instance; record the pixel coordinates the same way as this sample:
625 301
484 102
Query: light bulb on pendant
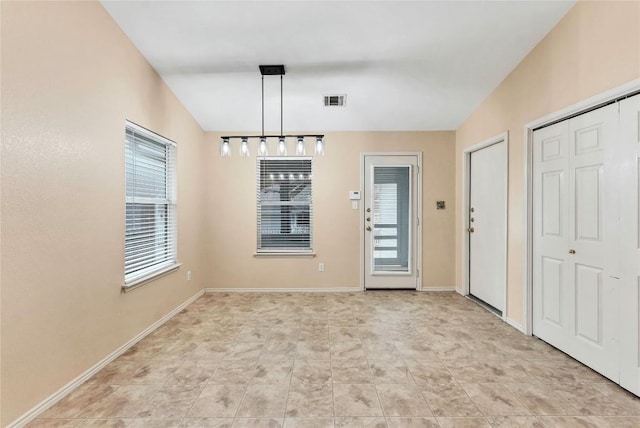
244 147
262 147
300 147
282 147
225 148
319 146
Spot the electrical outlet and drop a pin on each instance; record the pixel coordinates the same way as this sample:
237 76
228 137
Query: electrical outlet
188 275
321 267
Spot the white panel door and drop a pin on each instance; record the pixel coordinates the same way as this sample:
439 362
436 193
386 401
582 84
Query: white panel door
391 221
630 244
575 266
487 224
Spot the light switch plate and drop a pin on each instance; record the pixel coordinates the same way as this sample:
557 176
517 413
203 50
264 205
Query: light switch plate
354 195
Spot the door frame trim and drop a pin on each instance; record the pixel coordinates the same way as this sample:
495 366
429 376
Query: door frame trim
466 194
527 212
418 228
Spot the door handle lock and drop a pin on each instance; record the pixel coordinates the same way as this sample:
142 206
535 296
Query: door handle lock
471 230
572 251
368 228
368 218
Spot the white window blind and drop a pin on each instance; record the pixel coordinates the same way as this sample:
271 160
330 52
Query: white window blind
150 232
285 208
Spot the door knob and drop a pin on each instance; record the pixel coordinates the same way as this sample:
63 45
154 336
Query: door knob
572 251
368 228
471 230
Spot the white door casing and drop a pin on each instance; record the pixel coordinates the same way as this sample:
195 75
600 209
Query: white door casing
574 264
390 220
486 224
629 320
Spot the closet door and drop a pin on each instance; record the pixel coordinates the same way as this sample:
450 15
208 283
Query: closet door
629 158
575 237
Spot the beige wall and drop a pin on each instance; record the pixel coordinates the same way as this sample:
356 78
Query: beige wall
231 236
595 47
70 78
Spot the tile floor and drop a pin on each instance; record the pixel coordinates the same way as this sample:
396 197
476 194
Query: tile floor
375 359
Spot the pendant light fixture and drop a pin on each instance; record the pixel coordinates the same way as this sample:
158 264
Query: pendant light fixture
225 143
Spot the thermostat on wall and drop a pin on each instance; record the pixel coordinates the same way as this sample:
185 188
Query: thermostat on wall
354 195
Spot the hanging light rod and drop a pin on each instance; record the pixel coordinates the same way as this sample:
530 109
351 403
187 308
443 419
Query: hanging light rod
225 144
276 136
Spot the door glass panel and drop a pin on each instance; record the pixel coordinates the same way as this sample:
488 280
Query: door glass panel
391 213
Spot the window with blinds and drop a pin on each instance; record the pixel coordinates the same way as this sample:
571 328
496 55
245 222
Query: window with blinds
150 232
285 208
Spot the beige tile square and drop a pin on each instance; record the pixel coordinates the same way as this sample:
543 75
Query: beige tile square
463 423
244 351
356 400
360 422
264 401
449 399
193 373
312 350
414 422
428 372
308 423
388 372
310 400
494 399
312 371
273 372
514 422
541 398
347 351
218 401
154 423
351 371
206 423
402 400
257 423
233 372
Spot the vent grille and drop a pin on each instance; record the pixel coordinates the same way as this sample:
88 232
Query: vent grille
335 100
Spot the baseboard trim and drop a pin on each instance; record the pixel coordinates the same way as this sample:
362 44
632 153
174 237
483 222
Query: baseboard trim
438 289
68 388
284 290
515 325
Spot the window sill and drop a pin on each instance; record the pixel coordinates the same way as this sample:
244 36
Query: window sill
284 255
150 277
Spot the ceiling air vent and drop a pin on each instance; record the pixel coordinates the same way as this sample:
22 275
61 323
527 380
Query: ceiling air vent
335 100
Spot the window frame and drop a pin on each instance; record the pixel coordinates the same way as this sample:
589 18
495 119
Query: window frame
151 271
279 251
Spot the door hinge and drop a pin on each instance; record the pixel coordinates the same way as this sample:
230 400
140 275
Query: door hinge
418 221
417 273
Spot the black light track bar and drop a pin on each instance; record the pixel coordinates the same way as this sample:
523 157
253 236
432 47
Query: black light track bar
275 136
272 70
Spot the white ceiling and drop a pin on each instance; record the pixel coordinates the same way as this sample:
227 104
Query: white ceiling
421 65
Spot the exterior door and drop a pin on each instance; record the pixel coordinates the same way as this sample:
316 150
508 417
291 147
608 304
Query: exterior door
630 244
487 225
575 220
391 221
